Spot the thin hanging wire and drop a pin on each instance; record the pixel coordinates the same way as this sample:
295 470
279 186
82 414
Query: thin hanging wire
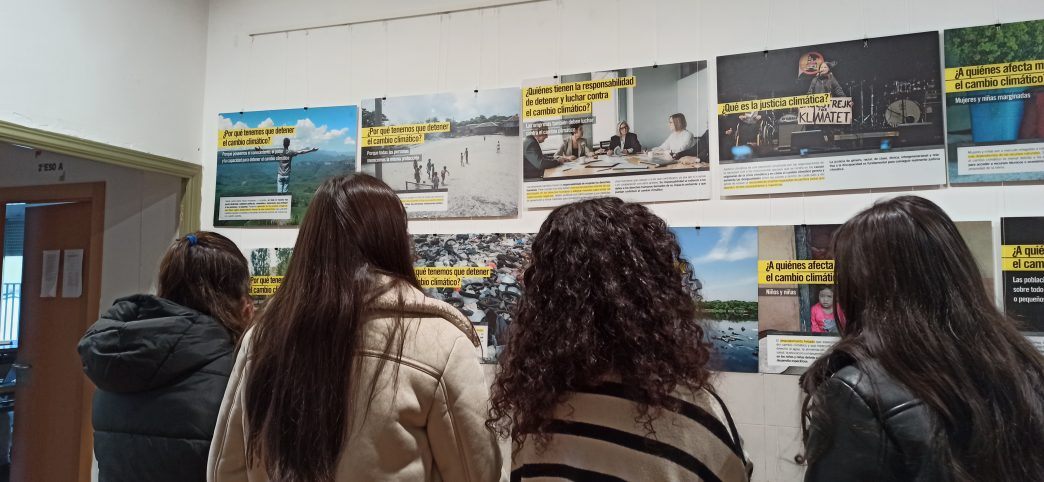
387 60
308 77
286 65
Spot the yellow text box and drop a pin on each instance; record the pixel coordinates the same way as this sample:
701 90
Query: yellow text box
264 286
449 276
775 103
403 134
1022 257
796 272
261 136
1023 73
571 98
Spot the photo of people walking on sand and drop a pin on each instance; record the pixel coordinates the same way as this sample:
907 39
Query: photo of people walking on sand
447 155
270 162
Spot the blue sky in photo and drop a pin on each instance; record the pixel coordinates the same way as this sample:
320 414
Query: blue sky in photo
460 106
725 259
328 128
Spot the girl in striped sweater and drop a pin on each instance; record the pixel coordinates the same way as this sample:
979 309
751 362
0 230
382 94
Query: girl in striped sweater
605 377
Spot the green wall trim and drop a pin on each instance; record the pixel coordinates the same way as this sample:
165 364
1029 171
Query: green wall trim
191 174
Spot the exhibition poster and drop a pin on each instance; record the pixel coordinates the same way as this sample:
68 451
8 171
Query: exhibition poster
480 275
1022 266
639 134
447 155
846 115
721 263
267 269
269 163
798 315
995 102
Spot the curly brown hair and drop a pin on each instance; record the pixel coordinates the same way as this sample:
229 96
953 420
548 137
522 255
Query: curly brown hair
604 297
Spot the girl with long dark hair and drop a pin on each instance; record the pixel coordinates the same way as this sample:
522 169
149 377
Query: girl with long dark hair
350 372
161 363
929 382
605 377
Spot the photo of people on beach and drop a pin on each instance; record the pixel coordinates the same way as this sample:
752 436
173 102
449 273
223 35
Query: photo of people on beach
447 155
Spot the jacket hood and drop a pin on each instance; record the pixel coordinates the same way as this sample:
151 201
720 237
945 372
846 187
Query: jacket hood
145 342
414 302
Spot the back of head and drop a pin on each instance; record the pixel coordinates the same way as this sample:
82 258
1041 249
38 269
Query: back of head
351 247
206 271
604 297
913 300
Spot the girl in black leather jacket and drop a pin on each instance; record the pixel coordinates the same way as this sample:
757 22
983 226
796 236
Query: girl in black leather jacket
929 381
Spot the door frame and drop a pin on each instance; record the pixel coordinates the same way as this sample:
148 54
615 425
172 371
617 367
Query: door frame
191 174
93 192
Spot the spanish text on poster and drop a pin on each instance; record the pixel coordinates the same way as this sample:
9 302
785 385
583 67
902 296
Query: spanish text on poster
995 102
478 274
269 163
1022 266
858 114
637 133
446 154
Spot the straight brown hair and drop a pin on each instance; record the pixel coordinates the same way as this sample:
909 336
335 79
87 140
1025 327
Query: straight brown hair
914 301
206 271
352 247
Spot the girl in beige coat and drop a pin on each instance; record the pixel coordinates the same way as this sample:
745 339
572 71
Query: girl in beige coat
351 373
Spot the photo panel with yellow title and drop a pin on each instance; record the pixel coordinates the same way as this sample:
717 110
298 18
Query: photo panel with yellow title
447 155
719 273
799 316
845 115
267 268
269 163
995 102
480 275
639 134
1022 269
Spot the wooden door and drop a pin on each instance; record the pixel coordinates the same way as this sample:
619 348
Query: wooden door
49 409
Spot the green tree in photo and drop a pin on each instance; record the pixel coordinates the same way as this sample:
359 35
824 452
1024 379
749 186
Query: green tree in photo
259 262
995 44
283 260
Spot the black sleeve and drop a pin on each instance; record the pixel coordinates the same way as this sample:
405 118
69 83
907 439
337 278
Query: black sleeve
849 444
633 142
614 142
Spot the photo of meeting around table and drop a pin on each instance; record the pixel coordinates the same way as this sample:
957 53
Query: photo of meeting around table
654 122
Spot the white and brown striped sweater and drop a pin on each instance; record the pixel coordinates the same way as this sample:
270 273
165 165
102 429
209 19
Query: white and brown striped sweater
595 438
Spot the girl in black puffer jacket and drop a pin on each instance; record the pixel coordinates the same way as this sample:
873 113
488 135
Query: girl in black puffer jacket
161 363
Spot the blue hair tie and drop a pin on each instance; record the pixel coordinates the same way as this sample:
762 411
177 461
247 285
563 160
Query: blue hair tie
192 239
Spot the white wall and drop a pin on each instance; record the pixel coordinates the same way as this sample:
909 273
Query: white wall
141 214
499 47
124 72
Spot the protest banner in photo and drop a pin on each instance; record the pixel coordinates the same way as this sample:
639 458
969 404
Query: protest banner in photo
269 163
639 134
845 115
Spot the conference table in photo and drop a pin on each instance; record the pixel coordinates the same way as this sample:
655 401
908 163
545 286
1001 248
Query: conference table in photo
608 165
